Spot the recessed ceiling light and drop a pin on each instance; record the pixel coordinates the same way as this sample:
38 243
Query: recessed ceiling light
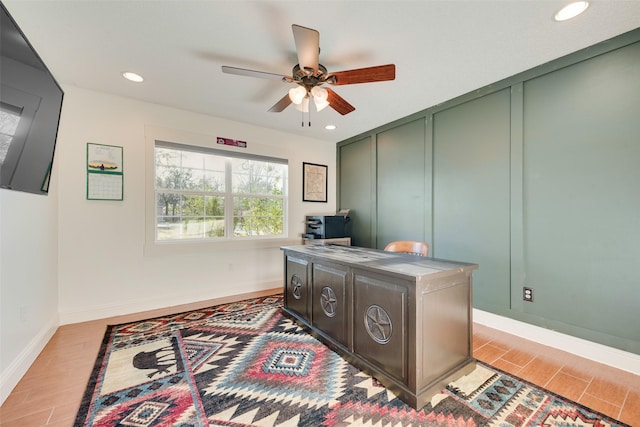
571 10
330 127
132 76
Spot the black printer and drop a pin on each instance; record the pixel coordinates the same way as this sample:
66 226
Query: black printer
327 226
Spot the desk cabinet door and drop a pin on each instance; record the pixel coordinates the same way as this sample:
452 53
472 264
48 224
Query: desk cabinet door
380 325
298 296
330 301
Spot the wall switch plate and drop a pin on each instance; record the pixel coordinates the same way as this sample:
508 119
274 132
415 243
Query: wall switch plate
527 294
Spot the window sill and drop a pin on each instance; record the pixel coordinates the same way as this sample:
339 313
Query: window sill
182 247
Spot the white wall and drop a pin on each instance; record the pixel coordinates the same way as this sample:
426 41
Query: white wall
28 239
28 280
104 268
64 259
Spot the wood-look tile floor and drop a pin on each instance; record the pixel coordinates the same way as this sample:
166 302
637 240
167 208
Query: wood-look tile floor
50 392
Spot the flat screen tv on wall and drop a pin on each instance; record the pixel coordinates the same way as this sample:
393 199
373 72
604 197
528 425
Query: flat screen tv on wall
30 105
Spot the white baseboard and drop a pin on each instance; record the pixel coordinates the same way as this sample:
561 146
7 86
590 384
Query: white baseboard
136 306
10 377
589 350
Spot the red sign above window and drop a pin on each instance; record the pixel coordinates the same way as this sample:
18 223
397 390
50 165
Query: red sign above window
232 142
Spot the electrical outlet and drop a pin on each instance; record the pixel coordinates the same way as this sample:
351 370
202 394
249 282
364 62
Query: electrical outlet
527 294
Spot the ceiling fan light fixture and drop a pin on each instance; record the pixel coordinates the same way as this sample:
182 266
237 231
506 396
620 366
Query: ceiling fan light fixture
297 94
303 105
320 105
320 96
319 93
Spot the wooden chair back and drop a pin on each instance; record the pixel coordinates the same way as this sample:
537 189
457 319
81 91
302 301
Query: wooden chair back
409 247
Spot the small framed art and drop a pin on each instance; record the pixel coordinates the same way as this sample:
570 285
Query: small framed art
104 172
314 182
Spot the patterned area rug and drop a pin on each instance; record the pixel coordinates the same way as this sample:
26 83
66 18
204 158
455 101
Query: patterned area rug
246 364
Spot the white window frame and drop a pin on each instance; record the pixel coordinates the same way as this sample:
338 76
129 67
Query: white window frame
205 143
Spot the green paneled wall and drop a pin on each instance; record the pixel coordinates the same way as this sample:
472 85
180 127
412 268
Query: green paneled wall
357 192
536 178
582 194
471 145
401 192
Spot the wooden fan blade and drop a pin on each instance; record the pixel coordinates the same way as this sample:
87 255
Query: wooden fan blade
308 47
252 73
281 105
338 103
379 73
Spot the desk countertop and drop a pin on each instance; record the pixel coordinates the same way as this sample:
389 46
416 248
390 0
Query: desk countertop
374 259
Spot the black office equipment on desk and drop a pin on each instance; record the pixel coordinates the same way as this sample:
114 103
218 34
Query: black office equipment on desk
327 226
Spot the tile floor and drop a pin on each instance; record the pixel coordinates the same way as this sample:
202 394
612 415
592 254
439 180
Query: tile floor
609 390
50 392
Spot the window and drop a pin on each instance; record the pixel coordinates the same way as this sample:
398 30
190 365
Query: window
208 194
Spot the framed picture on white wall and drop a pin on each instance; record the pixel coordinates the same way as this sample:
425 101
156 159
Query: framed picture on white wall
314 182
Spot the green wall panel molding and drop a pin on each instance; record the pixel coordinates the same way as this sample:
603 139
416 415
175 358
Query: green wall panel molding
518 273
535 178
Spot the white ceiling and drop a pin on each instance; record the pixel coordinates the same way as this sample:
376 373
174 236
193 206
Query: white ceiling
442 49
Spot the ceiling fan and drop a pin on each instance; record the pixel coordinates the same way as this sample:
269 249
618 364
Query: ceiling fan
309 75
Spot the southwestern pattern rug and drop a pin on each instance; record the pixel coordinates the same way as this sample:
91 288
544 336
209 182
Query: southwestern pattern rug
246 364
